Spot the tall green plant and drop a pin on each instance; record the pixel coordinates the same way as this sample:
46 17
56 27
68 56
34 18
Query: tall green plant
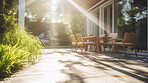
16 44
11 57
14 34
28 42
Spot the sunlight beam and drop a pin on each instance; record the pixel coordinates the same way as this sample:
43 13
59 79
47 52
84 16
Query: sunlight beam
29 2
54 6
87 14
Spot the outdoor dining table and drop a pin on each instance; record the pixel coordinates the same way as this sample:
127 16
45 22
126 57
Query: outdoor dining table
96 39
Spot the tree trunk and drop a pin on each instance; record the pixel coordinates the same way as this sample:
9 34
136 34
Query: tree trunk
2 30
134 28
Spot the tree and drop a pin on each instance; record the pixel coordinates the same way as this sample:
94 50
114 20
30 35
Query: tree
129 15
38 9
7 8
75 23
132 18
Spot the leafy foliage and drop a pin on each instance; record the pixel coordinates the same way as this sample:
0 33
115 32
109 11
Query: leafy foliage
28 42
38 9
16 44
130 14
11 57
132 17
75 23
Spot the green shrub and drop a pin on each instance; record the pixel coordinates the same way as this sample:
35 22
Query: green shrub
25 40
16 44
15 35
11 57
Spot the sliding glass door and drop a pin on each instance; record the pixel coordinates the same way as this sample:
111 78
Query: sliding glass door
108 20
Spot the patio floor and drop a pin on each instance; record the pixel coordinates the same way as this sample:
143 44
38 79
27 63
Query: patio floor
63 66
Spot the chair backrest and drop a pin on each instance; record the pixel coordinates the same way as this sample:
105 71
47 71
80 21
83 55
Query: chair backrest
129 38
113 35
79 37
90 35
102 35
73 39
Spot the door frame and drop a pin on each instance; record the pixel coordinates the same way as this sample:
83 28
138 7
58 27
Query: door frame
147 27
101 15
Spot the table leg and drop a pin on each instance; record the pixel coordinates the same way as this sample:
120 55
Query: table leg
86 48
98 46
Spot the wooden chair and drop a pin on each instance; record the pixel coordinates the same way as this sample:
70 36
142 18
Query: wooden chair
113 35
73 43
101 39
102 35
81 43
128 40
91 46
90 35
107 41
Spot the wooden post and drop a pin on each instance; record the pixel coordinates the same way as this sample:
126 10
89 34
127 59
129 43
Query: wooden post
22 13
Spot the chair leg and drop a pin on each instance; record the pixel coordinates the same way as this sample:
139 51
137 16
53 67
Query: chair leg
71 48
117 49
81 48
90 48
135 50
113 48
76 48
104 48
124 50
86 48
95 48
109 48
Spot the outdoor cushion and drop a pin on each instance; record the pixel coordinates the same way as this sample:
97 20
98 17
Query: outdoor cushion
102 35
85 43
107 43
73 43
120 43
